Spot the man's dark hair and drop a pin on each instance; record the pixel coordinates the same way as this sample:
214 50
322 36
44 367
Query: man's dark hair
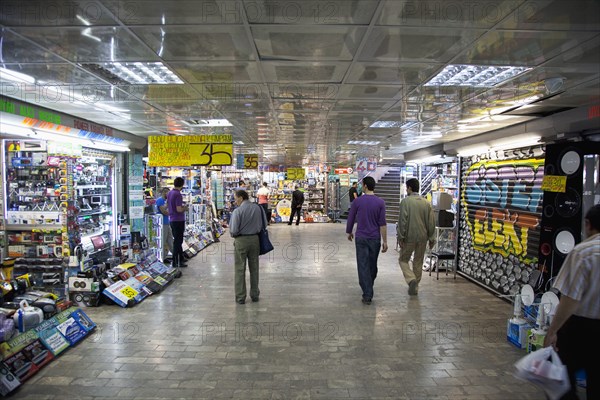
265 184
369 182
593 215
165 189
178 182
413 183
354 183
297 187
242 183
242 193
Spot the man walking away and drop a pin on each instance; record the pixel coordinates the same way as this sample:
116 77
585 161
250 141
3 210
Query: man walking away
245 224
353 192
177 219
371 230
297 201
166 235
416 226
575 328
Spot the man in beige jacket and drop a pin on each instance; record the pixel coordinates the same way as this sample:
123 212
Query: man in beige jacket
416 226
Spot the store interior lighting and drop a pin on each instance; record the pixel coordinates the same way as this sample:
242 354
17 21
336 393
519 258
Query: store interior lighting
364 142
475 75
386 124
45 135
512 143
143 72
14 76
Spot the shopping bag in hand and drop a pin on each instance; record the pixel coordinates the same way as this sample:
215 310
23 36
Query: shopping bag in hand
544 369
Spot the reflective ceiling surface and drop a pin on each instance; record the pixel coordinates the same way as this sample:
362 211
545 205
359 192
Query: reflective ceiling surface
300 79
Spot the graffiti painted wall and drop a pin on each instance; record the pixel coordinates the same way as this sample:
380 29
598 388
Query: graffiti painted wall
501 206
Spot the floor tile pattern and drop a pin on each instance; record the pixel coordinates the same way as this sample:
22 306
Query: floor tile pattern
309 337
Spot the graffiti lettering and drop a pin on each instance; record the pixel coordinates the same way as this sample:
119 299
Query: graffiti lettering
502 231
502 201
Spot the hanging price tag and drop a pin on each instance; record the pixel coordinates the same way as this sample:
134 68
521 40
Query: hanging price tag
250 161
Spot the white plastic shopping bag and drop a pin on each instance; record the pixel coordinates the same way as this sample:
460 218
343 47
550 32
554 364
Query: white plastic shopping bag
544 369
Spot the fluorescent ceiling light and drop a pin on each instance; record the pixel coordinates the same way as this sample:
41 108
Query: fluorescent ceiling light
215 122
512 143
14 76
475 75
143 72
386 124
364 142
472 150
238 142
96 144
83 20
87 32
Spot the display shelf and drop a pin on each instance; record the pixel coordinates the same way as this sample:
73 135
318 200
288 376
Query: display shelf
84 214
78 187
26 227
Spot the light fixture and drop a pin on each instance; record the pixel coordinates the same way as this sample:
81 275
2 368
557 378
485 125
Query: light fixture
475 75
143 72
14 76
51 136
511 143
238 142
386 124
472 150
364 142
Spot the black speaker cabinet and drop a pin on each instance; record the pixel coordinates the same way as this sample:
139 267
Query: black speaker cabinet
562 213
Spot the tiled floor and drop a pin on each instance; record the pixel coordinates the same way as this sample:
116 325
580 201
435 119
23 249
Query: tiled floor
309 337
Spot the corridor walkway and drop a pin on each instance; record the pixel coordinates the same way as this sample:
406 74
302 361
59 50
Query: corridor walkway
309 337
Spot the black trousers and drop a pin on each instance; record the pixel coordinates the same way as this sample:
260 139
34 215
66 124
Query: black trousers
577 342
177 228
298 211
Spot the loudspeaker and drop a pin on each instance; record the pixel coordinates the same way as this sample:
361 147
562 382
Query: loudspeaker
562 214
85 299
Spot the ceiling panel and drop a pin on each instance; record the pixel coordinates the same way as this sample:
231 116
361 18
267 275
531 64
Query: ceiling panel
363 105
437 45
451 14
180 12
305 72
558 15
90 44
330 12
216 71
393 73
527 48
320 43
15 49
197 42
57 13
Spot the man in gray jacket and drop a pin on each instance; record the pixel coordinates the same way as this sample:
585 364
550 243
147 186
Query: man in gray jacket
244 225
416 226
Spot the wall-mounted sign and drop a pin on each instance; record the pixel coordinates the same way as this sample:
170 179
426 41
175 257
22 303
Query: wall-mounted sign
294 174
187 151
554 183
339 171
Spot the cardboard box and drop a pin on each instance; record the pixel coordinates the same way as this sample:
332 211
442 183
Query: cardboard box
54 341
8 380
20 366
517 333
37 353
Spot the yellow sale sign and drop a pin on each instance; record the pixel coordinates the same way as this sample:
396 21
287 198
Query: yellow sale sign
189 151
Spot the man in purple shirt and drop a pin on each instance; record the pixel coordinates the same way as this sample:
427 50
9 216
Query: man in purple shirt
369 212
177 220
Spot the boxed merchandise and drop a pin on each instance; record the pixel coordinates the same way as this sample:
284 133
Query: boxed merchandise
121 293
72 331
517 332
54 341
82 319
138 286
8 380
85 299
20 366
37 353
